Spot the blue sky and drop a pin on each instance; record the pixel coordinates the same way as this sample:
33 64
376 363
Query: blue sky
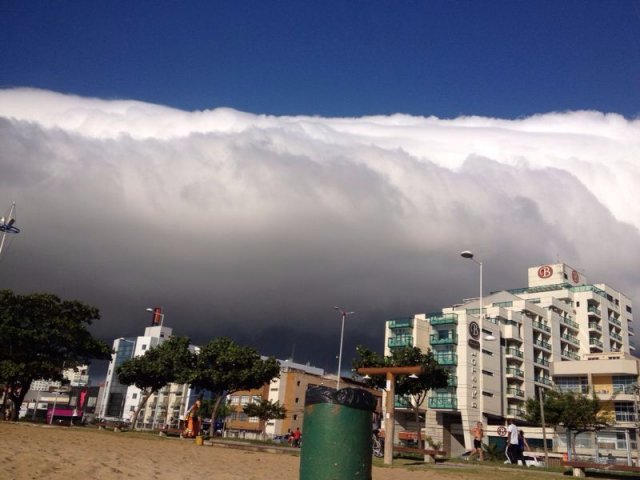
503 59
255 226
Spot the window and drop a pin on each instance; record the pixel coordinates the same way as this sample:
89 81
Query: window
298 383
621 383
295 417
144 347
244 400
625 412
297 399
254 419
134 396
572 384
132 408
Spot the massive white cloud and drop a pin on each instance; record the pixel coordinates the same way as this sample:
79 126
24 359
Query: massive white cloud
256 225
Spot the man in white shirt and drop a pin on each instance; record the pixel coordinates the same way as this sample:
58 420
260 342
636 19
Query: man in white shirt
512 438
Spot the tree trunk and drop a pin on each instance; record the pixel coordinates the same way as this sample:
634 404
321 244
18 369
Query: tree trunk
418 426
143 402
212 427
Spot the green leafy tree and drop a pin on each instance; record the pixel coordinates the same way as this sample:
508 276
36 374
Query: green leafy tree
433 375
40 335
574 411
224 367
169 362
265 410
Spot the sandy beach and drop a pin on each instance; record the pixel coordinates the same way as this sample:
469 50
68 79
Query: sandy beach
37 452
44 452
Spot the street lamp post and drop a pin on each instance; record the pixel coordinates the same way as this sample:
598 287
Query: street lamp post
343 314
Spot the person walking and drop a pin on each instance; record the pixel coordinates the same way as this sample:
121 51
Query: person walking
522 444
512 438
297 435
478 435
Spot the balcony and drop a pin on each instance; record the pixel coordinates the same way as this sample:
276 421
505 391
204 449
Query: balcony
447 319
515 392
451 339
515 372
595 326
570 338
615 321
542 344
543 380
403 402
541 326
444 402
446 358
515 412
400 323
452 381
570 323
594 342
615 336
542 362
593 311
513 352
400 341
570 354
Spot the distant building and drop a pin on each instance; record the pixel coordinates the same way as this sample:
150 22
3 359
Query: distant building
288 390
496 363
74 377
167 407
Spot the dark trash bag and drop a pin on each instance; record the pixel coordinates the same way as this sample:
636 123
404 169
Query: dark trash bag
337 434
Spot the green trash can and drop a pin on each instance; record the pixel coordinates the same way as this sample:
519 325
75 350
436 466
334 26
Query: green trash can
337 431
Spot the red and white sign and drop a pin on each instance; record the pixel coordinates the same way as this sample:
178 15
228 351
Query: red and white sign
545 271
575 277
502 431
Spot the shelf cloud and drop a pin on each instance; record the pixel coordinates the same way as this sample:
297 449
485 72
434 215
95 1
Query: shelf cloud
255 226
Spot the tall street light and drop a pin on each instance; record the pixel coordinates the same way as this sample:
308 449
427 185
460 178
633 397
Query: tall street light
344 315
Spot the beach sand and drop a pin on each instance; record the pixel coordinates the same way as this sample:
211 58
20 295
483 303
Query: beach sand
49 452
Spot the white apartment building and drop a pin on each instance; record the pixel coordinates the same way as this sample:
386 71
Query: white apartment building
119 401
501 356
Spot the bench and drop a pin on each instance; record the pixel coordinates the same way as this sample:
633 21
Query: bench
171 432
580 467
419 451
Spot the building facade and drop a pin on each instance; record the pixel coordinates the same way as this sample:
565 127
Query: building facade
499 349
118 402
615 380
289 390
